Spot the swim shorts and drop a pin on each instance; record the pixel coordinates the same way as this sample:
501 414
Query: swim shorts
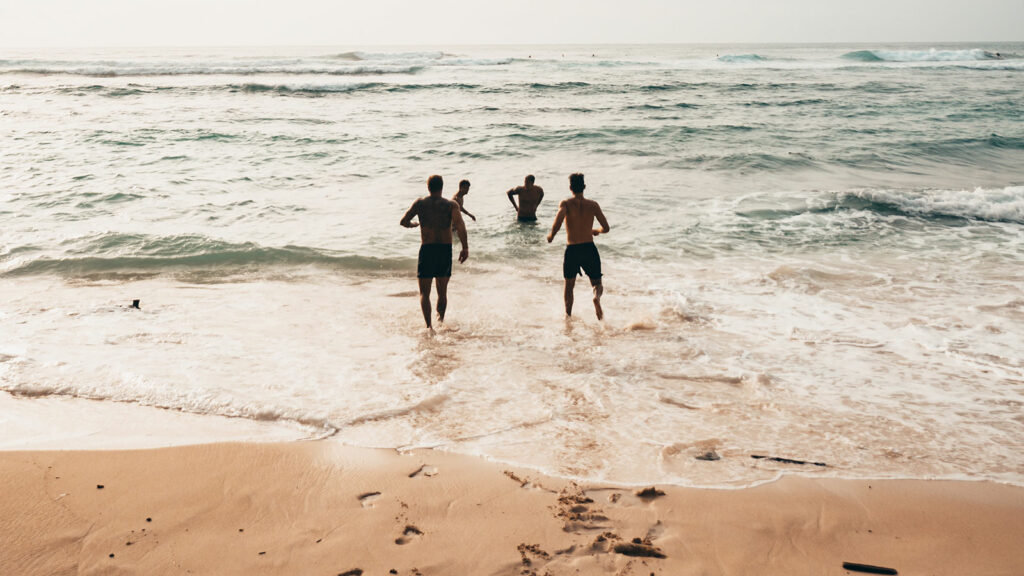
582 256
527 218
435 261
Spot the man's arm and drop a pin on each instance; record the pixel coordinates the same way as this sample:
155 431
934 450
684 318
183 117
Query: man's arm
414 210
559 218
460 229
466 212
601 219
541 195
512 192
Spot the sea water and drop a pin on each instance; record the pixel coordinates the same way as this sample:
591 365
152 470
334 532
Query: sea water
816 252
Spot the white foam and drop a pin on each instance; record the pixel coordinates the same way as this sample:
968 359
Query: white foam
993 204
60 423
933 55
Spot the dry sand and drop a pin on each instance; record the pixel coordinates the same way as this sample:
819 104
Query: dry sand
318 508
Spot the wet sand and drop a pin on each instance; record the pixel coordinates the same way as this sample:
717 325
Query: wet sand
323 508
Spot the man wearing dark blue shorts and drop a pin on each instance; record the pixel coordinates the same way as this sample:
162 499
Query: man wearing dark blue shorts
437 218
579 213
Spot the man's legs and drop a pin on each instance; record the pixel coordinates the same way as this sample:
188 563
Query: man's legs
442 298
425 298
570 283
598 290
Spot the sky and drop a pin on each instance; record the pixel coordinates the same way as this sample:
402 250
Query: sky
95 23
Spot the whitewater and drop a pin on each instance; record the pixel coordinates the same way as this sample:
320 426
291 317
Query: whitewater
816 251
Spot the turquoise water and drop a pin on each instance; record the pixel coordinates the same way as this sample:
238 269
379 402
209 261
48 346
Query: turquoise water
815 250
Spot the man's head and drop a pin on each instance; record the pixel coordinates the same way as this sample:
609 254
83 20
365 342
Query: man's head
529 180
576 183
434 184
464 187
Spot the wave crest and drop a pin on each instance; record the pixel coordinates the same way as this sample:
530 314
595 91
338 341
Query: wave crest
739 58
931 55
990 205
192 257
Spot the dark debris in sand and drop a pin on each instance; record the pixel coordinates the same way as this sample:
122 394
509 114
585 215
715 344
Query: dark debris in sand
650 493
639 547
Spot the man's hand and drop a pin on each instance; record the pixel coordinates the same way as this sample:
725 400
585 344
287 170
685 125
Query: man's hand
550 237
463 255
597 231
473 217
413 224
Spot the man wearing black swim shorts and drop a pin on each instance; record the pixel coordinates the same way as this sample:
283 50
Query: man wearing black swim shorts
437 218
579 213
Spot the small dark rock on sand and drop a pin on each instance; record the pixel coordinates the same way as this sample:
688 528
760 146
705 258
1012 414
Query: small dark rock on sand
650 493
352 572
641 549
709 456
408 534
99 486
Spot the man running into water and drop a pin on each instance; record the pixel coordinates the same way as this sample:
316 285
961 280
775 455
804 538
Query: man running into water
437 217
580 253
460 197
529 198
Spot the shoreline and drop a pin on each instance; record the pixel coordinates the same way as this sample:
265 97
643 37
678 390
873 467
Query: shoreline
40 423
319 507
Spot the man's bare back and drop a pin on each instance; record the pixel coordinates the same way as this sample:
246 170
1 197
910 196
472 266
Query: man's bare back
437 217
579 214
436 221
529 199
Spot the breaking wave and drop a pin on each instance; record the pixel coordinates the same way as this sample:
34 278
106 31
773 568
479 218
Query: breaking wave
735 58
115 255
981 204
932 55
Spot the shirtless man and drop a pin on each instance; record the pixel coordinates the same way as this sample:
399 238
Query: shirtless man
529 198
578 214
437 217
460 197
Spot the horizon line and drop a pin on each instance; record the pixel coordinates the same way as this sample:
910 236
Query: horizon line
502 44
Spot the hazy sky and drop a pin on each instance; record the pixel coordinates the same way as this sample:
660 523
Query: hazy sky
346 22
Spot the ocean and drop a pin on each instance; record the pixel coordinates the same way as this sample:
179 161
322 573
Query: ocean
816 251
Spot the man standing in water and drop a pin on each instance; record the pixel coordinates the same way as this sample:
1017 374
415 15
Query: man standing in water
460 197
529 198
580 253
437 217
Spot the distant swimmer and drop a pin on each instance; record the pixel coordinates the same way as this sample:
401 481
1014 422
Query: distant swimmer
437 218
580 253
529 198
460 197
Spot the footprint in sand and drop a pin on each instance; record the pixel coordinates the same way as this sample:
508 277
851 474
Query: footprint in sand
574 508
425 470
367 499
623 498
408 535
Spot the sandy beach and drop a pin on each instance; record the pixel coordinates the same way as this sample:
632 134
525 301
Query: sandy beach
807 361
322 508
